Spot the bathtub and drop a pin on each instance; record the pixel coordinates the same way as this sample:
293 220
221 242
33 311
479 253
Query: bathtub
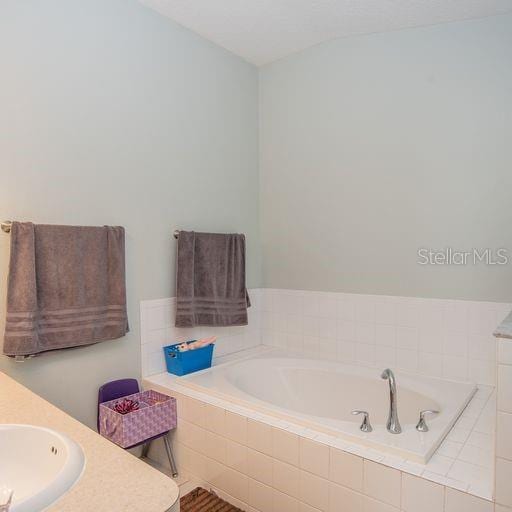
321 395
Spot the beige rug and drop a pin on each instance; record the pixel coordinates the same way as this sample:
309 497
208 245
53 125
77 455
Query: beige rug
200 500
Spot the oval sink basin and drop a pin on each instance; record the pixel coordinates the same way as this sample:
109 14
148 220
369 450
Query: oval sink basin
38 464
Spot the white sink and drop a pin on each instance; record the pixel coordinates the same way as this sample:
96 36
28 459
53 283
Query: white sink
38 464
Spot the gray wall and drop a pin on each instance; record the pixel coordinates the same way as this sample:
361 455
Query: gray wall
374 146
112 114
370 148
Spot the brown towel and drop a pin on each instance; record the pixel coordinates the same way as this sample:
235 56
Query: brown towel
210 280
66 287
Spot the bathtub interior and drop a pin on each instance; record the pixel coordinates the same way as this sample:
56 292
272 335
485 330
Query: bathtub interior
320 395
334 395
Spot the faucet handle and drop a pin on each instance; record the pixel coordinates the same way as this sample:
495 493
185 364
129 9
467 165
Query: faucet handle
365 425
422 424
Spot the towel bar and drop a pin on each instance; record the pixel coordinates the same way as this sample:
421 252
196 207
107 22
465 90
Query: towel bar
6 226
22 359
176 233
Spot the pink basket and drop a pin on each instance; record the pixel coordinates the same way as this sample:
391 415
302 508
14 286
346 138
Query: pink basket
156 414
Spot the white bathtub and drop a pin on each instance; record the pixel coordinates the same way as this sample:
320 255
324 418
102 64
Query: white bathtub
321 395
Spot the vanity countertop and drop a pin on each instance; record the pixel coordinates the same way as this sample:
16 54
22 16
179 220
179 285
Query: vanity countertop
113 479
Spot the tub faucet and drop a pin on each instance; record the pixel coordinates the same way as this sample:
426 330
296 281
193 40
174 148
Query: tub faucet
393 424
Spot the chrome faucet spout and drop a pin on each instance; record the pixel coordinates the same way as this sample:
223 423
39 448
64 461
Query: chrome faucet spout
393 424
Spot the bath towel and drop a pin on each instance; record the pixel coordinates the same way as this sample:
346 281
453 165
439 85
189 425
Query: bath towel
210 280
66 287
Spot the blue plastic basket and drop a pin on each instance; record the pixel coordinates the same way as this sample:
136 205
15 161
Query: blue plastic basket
182 363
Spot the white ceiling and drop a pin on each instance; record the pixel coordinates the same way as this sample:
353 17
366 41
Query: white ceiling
261 31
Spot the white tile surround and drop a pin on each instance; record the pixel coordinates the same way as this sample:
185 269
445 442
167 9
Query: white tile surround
503 491
157 330
435 337
444 338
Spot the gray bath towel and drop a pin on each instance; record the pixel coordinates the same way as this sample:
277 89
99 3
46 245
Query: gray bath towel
210 281
66 287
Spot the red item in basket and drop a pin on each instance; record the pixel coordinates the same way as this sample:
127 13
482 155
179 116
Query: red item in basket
125 406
